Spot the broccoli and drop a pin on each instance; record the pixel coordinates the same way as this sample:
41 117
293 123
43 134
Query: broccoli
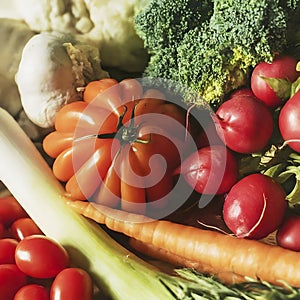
163 24
212 46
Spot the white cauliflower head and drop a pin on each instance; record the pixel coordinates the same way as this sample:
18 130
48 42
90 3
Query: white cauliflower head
106 23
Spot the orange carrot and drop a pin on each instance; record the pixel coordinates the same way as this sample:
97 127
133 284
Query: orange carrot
214 250
151 251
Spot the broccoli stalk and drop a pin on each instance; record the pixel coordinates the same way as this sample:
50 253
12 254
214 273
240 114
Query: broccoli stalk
212 46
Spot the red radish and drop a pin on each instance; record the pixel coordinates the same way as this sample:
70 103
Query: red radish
288 235
271 82
245 123
208 137
242 92
289 122
254 207
210 170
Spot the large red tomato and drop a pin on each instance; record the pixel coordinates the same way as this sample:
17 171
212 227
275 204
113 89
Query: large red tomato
119 146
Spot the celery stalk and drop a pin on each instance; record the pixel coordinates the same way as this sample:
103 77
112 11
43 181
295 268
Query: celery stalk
115 270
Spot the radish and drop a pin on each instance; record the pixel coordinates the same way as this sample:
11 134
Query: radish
244 123
254 207
289 122
271 82
211 170
208 136
244 91
288 235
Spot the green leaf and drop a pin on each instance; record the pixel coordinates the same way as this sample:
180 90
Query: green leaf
281 87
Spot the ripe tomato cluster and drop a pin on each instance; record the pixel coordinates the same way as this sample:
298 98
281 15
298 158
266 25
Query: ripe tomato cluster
32 265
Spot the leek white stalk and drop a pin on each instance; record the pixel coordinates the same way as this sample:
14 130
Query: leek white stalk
31 181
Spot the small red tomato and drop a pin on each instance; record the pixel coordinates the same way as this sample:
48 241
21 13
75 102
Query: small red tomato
10 210
11 280
32 292
41 257
72 284
2 231
288 235
7 250
24 227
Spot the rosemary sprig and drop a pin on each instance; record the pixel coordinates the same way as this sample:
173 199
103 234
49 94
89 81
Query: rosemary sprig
196 286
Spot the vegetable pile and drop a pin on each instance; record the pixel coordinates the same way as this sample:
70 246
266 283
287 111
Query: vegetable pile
254 204
196 164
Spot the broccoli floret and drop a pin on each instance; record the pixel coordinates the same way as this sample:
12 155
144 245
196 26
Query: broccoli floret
214 53
163 23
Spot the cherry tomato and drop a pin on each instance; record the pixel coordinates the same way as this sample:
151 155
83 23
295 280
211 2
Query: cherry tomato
72 284
24 227
283 67
119 146
40 256
2 231
289 122
7 250
32 292
11 280
10 210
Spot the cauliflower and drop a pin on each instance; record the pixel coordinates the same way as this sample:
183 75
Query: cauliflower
14 35
53 67
107 24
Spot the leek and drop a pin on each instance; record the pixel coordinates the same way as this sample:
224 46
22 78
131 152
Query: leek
28 177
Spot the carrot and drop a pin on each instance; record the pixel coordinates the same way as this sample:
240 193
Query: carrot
151 251
216 251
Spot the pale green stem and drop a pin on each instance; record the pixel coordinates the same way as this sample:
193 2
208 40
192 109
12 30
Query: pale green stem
31 181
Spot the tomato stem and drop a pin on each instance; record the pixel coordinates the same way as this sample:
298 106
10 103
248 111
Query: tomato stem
125 134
